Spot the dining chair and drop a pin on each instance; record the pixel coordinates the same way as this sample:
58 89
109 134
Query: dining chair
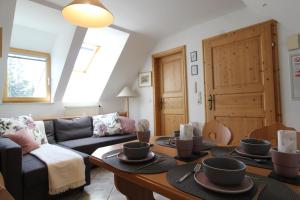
218 132
270 133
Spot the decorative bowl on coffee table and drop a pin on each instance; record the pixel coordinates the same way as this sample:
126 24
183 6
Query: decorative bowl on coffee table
136 150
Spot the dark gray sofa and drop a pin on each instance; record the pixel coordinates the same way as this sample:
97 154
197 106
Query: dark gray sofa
26 177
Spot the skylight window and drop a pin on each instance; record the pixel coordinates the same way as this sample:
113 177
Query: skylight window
85 57
93 66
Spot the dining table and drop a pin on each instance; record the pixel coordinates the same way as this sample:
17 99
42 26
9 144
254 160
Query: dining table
138 186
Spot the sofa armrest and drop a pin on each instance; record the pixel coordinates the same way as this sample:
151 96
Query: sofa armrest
11 166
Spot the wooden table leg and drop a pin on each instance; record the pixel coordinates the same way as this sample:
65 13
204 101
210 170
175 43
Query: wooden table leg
132 191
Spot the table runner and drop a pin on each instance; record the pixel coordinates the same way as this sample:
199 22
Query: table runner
193 157
273 191
229 152
156 168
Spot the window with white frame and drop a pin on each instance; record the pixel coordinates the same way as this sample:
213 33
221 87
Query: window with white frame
27 76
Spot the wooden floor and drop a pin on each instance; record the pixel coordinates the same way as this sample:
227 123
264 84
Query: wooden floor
101 188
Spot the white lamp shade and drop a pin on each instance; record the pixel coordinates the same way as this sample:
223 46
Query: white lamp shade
87 13
126 92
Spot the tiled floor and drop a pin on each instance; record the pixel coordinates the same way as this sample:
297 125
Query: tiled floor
101 188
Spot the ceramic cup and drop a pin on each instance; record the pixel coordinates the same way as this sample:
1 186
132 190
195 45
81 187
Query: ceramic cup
186 131
143 136
184 148
197 144
285 164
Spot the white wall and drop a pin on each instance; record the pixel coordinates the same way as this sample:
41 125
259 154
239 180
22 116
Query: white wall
192 38
7 10
36 40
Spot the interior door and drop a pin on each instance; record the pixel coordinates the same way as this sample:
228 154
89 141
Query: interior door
239 79
171 75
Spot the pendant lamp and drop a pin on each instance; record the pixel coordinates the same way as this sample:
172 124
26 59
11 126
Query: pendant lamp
88 14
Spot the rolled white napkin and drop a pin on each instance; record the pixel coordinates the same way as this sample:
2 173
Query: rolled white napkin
287 141
143 125
197 128
186 131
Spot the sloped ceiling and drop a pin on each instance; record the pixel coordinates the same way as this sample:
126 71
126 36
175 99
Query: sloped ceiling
159 18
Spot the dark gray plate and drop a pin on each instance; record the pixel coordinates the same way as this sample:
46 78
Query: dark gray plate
240 151
245 186
124 158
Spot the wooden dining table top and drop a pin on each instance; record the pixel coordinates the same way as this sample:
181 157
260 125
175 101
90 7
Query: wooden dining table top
158 182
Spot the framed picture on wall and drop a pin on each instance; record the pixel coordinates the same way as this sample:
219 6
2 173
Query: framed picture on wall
194 70
295 75
193 56
145 79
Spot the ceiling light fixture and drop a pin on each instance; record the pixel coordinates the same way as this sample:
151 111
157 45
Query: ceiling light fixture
88 14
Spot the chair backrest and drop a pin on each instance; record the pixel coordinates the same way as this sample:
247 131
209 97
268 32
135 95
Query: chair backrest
217 132
270 133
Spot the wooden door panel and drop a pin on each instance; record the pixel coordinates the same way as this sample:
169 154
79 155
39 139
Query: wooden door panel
173 106
241 57
170 90
239 78
171 123
172 80
241 126
246 105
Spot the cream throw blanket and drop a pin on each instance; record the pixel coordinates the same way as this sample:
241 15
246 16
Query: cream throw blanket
66 169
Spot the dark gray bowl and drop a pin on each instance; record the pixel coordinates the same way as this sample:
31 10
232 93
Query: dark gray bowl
136 150
255 146
224 171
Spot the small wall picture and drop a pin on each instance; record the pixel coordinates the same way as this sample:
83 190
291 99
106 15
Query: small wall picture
295 75
193 56
194 70
145 79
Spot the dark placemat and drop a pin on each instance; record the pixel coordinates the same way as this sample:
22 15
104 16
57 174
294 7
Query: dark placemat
293 181
273 191
156 168
229 152
164 141
193 157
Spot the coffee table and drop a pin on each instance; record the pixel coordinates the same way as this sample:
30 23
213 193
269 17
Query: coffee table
142 186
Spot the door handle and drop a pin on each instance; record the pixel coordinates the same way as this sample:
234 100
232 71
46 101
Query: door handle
161 103
210 102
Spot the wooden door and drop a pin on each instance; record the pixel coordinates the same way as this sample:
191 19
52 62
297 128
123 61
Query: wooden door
170 91
240 82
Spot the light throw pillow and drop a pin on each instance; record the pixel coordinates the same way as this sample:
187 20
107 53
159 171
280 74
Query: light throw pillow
11 125
25 140
39 133
127 124
24 122
108 124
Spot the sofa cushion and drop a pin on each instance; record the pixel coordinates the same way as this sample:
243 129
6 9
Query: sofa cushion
108 124
127 124
25 140
89 145
49 129
35 172
73 129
